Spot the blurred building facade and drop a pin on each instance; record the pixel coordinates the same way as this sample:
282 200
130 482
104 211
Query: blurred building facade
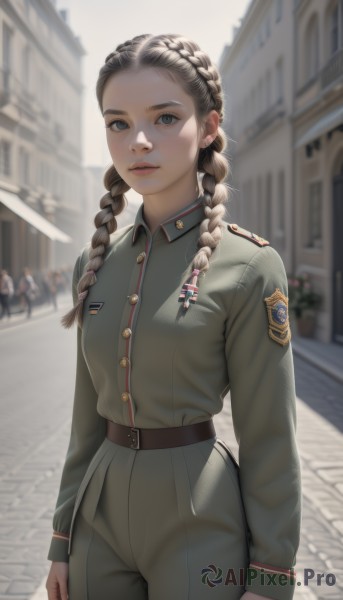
40 137
93 190
283 81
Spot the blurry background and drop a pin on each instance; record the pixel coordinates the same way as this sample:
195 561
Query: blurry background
281 63
282 68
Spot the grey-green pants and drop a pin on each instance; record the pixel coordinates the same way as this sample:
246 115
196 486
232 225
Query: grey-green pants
159 524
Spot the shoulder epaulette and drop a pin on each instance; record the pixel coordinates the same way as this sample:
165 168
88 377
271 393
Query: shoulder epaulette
252 237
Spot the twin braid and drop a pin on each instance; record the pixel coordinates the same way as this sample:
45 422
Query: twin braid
211 162
215 169
111 205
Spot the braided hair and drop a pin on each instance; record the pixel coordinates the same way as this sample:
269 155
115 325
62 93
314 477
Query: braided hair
192 68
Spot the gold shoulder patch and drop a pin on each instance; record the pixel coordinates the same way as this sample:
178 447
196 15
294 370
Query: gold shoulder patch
277 309
247 235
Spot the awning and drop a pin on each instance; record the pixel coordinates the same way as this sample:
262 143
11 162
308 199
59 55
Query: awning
13 202
326 123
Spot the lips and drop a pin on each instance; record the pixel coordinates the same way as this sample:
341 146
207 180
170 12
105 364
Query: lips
142 167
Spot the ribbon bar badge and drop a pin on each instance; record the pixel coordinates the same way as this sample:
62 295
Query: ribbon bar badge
94 308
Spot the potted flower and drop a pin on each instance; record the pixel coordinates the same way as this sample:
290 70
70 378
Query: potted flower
303 301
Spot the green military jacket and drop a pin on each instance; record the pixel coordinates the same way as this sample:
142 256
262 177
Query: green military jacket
143 360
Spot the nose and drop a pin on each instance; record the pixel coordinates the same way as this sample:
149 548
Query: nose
140 142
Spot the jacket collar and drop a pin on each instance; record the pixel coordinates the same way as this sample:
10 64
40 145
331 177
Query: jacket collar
177 225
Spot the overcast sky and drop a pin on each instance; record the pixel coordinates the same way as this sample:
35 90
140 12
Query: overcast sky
103 24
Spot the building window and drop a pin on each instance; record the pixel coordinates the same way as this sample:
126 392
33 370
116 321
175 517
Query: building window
260 99
5 158
24 167
268 90
312 49
281 217
253 105
334 30
279 80
246 205
6 56
44 91
278 12
245 114
25 65
334 27
27 8
268 207
267 25
259 222
314 215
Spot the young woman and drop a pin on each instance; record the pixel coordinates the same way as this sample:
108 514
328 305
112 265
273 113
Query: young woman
174 311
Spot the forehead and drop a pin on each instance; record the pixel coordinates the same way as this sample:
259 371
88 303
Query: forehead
140 88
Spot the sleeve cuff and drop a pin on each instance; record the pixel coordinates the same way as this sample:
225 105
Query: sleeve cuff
270 581
59 547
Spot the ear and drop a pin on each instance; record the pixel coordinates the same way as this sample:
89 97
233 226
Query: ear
210 129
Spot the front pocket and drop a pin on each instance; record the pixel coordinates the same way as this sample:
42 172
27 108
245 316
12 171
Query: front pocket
229 453
208 483
224 450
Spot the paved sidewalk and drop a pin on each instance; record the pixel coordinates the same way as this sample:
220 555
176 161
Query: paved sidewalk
326 357
64 300
321 456
29 490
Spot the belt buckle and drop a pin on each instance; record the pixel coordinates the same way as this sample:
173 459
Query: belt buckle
135 441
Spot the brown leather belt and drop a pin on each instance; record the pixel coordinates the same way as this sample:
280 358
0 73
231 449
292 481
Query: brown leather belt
153 439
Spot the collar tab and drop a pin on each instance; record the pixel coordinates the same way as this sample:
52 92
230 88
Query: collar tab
175 226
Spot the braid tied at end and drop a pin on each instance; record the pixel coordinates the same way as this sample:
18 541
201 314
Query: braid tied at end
111 205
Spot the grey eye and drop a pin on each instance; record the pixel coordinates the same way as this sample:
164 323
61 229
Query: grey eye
117 125
167 119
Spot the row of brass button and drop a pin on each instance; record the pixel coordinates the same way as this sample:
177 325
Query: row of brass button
141 257
125 396
133 299
127 332
124 362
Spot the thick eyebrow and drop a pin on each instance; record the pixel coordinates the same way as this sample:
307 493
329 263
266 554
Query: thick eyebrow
117 111
164 105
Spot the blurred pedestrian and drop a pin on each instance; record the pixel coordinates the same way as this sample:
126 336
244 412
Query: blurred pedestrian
50 283
173 311
27 290
6 293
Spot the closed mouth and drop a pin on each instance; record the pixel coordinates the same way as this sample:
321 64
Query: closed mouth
142 167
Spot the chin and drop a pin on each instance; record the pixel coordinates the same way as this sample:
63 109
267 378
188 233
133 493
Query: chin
147 190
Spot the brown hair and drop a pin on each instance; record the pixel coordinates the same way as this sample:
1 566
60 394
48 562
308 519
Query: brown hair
193 69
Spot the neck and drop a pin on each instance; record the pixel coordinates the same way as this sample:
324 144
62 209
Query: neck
160 207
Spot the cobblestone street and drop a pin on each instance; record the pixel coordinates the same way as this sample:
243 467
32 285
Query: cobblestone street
320 426
36 409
